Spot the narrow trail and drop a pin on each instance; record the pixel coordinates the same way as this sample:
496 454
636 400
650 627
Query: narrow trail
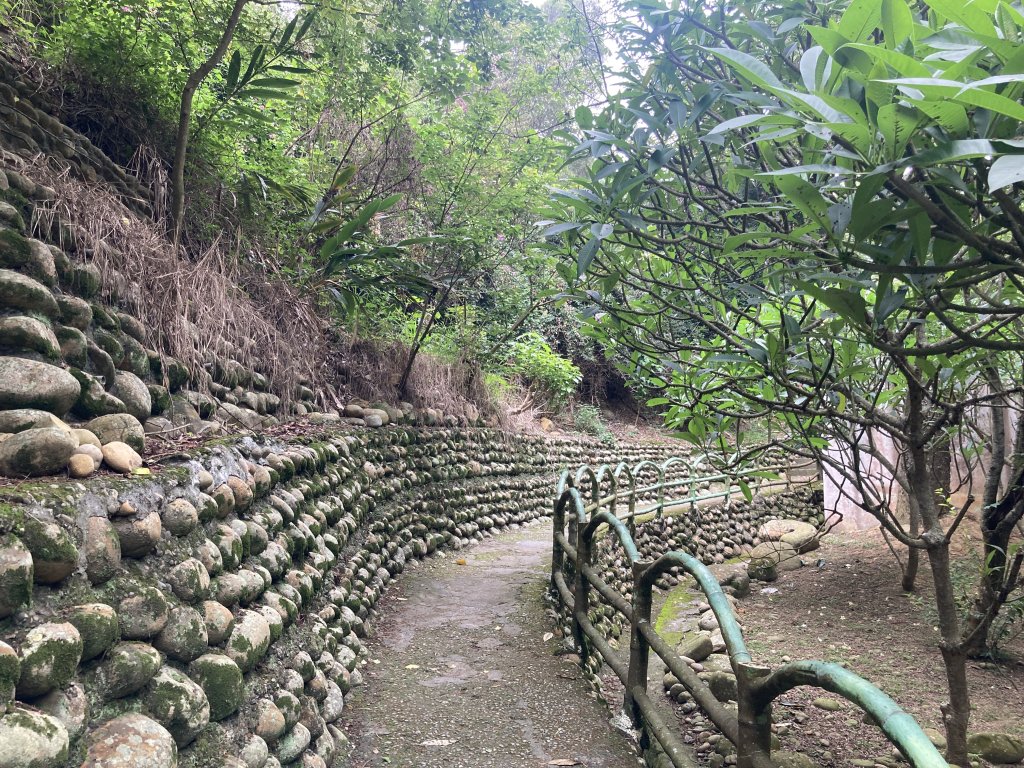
460 674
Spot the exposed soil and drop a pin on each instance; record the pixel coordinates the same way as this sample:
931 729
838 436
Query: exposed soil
846 606
463 672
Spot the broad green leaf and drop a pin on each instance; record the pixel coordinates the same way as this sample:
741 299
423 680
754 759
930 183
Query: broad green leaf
848 304
274 82
897 22
748 67
829 39
903 64
1005 171
859 19
558 229
896 124
266 93
286 36
967 14
586 256
584 117
948 114
234 67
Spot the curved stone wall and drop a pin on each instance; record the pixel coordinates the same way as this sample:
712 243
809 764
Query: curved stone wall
212 613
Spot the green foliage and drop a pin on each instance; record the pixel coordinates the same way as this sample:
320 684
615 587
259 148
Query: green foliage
758 227
587 419
551 374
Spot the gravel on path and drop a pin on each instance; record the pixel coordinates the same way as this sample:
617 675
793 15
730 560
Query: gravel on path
460 673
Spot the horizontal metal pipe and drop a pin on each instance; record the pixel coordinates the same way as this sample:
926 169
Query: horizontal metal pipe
660 730
568 548
564 592
713 708
602 646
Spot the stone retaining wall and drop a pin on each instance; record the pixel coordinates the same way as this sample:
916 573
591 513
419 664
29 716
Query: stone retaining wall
212 613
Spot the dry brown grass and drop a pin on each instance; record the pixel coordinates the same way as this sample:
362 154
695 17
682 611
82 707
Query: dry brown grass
371 369
197 307
214 304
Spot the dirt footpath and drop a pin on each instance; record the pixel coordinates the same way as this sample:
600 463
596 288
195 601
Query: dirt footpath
460 673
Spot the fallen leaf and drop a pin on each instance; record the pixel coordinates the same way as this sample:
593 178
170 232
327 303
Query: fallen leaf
547 636
438 742
461 561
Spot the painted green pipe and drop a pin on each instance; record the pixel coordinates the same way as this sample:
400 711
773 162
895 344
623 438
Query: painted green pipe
899 727
727 623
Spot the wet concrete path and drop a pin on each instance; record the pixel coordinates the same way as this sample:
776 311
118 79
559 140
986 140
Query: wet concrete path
460 674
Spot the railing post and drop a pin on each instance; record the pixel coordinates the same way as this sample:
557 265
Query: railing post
754 748
581 593
639 650
557 554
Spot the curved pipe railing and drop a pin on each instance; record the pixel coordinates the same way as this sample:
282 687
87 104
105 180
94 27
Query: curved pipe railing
577 523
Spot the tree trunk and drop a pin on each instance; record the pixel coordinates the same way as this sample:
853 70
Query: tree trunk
956 712
999 516
913 553
195 79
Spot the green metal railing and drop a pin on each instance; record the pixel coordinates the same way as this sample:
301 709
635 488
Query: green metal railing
577 521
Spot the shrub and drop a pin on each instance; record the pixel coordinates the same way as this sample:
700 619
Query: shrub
588 420
550 374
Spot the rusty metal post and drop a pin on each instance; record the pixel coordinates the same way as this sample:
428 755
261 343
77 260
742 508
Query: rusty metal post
557 554
581 592
754 748
639 650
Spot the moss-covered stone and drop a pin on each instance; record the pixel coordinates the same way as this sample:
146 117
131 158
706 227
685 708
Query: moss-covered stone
178 704
221 680
54 553
109 343
74 347
85 280
119 427
49 658
33 384
16 574
102 550
249 640
74 312
142 612
18 291
219 621
135 359
1001 748
21 333
160 398
132 391
98 627
126 669
184 636
93 400
30 739
10 672
152 745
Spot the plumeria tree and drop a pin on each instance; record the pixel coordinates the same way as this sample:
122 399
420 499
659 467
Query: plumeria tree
811 215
